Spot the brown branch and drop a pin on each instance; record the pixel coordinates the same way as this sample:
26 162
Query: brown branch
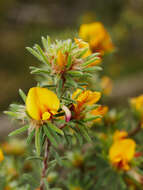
135 131
45 163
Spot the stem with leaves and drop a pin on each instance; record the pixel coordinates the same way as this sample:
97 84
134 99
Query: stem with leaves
45 163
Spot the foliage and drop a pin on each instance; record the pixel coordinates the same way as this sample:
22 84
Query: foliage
78 143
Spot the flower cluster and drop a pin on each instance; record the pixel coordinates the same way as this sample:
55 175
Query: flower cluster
79 143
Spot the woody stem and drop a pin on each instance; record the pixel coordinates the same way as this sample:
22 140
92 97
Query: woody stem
135 131
45 163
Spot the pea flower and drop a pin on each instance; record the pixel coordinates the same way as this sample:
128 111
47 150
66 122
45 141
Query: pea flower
97 36
121 153
1 156
101 110
41 103
137 104
84 98
119 135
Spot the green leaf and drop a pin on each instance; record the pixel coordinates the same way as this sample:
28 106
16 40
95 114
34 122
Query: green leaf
82 84
79 138
83 52
75 73
34 158
45 59
46 184
92 56
36 70
68 99
48 40
56 129
88 75
90 61
69 62
22 94
10 113
30 136
55 135
68 140
35 53
59 87
84 133
59 114
57 157
37 141
71 82
92 118
44 42
92 69
50 137
89 108
18 131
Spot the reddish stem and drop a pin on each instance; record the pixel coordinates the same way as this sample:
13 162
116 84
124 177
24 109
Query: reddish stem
45 163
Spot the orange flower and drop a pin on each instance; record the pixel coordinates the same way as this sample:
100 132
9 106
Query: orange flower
84 98
1 156
121 153
119 135
107 85
101 110
97 36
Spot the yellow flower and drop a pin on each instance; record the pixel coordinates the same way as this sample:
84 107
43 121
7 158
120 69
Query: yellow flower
1 156
101 110
15 147
83 44
137 104
121 153
84 98
107 85
41 103
97 36
119 135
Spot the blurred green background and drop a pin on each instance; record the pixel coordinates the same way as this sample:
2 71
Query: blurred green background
23 22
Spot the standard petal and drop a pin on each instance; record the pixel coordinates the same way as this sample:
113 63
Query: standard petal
32 104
